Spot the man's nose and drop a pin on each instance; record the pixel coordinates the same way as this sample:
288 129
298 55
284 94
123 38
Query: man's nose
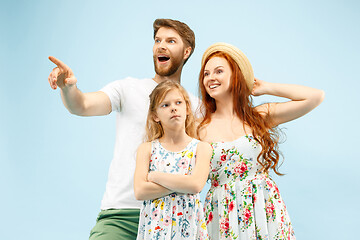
162 45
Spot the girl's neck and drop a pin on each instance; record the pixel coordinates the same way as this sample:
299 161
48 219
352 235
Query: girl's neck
175 140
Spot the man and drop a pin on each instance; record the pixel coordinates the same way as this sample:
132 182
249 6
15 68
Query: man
174 43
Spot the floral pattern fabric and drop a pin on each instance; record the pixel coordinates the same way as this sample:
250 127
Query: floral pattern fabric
243 202
178 215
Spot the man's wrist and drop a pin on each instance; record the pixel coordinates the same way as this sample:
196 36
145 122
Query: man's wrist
68 88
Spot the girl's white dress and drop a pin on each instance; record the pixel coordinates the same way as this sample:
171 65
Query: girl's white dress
178 215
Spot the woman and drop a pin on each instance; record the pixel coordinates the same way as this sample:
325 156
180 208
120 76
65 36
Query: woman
243 201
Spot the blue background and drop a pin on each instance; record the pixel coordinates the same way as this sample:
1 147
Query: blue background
54 165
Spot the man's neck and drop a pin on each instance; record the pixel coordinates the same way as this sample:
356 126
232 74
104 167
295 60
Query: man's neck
174 77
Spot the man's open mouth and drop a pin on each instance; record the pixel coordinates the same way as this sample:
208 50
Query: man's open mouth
163 58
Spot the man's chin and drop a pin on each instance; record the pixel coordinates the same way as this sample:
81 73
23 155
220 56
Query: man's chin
168 70
164 72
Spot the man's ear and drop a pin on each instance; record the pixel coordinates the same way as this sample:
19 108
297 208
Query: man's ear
187 52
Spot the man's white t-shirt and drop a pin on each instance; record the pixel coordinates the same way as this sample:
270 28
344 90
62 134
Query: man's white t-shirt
130 99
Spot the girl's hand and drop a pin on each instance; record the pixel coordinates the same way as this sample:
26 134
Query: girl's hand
259 87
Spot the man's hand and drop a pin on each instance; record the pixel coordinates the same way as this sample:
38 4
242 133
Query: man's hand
61 76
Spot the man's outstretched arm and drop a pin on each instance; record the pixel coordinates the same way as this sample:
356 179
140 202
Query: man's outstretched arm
77 102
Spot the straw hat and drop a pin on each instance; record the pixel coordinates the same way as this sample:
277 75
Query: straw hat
237 55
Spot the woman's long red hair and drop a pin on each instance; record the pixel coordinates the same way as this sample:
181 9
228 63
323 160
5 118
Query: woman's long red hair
262 129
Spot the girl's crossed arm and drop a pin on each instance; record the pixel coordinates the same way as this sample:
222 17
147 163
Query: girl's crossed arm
193 183
144 189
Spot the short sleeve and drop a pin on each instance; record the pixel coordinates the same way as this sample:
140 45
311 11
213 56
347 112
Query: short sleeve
115 91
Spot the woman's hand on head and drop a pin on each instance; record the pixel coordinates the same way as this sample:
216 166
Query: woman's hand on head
259 87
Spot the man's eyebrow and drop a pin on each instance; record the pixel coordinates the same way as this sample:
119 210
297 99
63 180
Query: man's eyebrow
172 37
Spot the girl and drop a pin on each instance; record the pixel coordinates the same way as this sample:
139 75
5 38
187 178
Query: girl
243 201
178 164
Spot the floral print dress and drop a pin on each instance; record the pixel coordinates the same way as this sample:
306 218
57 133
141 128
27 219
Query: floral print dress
243 203
178 215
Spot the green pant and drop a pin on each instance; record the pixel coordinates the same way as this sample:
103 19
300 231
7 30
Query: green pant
113 224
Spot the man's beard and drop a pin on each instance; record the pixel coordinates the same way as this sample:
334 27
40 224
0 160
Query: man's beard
173 66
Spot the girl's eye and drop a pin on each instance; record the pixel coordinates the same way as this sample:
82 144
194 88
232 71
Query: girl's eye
172 41
178 102
206 74
220 71
164 105
157 40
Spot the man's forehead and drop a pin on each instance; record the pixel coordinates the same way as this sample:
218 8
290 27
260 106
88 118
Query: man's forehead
166 32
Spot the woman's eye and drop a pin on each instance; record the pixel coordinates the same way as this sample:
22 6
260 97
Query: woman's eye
220 71
206 74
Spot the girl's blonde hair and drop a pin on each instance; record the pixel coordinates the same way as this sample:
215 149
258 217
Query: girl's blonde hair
154 129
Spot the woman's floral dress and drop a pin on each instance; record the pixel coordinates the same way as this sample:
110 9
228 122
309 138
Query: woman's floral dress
243 203
178 215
